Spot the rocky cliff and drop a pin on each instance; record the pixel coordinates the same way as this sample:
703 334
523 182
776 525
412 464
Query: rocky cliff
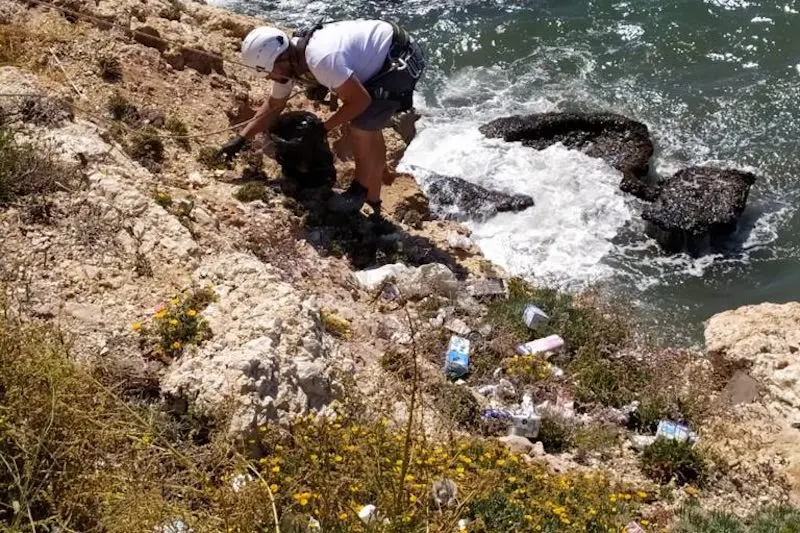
218 286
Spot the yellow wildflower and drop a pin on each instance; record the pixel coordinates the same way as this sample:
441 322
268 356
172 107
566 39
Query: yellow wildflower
160 314
276 469
175 301
173 322
273 488
176 345
645 522
191 313
641 494
412 499
342 516
136 326
338 458
409 478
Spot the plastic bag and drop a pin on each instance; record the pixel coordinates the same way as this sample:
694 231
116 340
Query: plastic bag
301 149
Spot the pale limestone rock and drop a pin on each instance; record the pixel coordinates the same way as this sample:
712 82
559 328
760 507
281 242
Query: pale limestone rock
517 444
158 232
765 339
269 352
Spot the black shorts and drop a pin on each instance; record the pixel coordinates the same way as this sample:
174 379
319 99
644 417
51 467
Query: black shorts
379 113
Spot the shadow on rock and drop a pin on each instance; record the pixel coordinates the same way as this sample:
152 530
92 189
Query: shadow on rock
366 241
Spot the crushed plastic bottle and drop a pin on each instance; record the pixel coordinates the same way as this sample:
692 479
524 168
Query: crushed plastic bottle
674 431
457 357
551 343
526 421
533 316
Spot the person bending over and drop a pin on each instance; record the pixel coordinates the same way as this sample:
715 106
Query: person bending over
372 66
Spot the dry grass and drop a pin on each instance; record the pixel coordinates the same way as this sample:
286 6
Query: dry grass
30 172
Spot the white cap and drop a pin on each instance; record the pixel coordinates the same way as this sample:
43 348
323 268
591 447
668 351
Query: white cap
262 46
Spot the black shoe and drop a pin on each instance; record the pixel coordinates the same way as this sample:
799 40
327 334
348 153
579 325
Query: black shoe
350 201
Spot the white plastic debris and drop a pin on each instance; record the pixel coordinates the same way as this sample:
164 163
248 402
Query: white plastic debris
444 492
533 316
552 343
372 279
313 524
526 421
462 524
239 481
433 278
368 514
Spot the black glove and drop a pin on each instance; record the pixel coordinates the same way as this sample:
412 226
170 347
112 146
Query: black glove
233 147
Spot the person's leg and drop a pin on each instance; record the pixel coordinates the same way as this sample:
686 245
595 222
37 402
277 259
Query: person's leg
369 152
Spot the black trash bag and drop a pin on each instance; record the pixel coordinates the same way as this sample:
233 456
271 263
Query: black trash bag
301 149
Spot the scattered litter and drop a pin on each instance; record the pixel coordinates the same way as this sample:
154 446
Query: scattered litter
458 326
239 481
557 372
313 524
497 372
552 343
410 282
458 241
533 316
462 524
444 492
503 390
640 442
368 514
498 414
526 421
457 358
486 288
622 415
679 432
633 527
460 382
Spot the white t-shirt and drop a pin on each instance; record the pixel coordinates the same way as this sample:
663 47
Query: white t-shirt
341 49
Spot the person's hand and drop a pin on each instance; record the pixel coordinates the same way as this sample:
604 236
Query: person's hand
233 147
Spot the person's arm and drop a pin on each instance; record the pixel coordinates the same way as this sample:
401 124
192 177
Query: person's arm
265 117
263 120
355 100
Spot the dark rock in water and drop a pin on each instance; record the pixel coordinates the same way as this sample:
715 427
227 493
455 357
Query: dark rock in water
457 199
301 149
622 142
697 205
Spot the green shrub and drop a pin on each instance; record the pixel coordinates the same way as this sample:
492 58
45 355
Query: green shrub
668 459
250 192
121 109
109 68
556 434
27 170
211 158
147 148
178 128
457 404
775 519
